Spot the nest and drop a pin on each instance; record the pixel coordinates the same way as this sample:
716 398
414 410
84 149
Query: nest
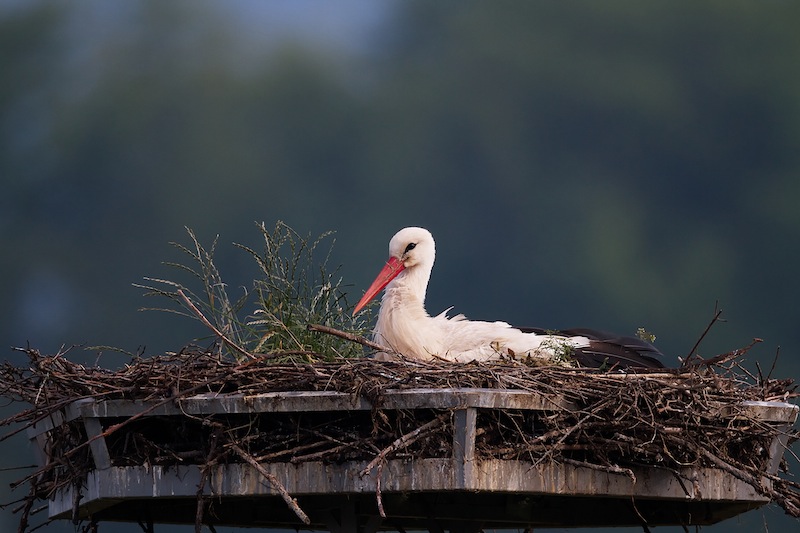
668 419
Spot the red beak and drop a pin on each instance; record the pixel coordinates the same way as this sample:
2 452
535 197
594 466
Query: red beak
390 271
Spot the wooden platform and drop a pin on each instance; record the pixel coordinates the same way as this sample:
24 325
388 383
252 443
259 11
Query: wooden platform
461 492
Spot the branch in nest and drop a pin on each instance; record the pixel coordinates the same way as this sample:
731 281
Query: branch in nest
611 469
783 499
725 357
291 502
115 427
703 336
204 475
398 444
211 326
404 441
350 337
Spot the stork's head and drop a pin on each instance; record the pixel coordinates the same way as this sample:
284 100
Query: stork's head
412 246
410 250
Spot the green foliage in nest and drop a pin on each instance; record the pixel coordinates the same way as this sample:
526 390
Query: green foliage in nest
645 335
294 289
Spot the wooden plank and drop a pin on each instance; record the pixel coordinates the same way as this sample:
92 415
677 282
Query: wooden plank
553 478
470 397
464 400
37 433
413 492
57 418
777 447
781 415
710 491
401 476
298 401
277 402
43 426
464 446
308 401
102 459
780 412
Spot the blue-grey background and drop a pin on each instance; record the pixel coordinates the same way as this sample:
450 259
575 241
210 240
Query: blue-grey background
612 165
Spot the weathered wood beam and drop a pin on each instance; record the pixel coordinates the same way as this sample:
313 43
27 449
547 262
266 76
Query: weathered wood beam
464 446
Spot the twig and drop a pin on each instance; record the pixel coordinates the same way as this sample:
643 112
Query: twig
789 506
774 362
378 495
567 433
703 336
725 357
611 469
291 502
204 474
350 337
318 455
626 420
114 427
404 441
211 326
26 511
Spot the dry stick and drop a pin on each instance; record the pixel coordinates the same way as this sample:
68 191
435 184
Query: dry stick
774 362
317 455
435 373
725 357
703 336
50 410
404 441
204 475
26 511
211 326
114 427
378 495
350 337
610 469
291 502
147 527
578 425
741 474
272 456
642 519
401 442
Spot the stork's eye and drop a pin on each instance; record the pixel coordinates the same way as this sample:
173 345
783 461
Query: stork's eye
410 247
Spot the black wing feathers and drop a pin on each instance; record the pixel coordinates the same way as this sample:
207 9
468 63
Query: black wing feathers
608 350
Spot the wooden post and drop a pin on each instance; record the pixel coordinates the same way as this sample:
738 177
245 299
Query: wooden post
464 446
93 427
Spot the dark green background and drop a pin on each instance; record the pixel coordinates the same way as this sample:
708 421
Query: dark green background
605 164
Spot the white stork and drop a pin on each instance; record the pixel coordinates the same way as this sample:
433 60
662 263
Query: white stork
406 327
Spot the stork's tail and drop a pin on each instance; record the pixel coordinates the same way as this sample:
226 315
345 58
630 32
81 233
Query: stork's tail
609 351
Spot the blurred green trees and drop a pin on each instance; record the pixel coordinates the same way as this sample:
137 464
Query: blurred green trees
581 164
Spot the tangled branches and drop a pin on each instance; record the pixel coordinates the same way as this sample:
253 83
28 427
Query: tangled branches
611 422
